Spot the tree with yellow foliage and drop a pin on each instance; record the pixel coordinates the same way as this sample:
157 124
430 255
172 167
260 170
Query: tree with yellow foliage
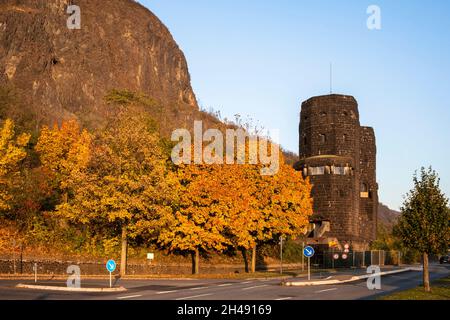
65 151
12 152
124 186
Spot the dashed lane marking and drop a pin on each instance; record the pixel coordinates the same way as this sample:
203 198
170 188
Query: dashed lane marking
130 297
193 297
282 299
166 292
327 290
199 288
255 287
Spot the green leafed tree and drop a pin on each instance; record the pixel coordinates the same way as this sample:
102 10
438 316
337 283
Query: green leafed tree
424 222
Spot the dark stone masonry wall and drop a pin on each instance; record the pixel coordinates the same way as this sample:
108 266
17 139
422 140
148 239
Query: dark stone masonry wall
339 157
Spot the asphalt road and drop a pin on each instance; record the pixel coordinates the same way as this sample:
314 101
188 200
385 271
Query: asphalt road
230 290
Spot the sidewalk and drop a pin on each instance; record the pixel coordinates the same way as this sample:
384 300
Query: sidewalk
347 277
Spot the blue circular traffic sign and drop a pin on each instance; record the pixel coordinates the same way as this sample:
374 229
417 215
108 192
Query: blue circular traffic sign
308 252
111 266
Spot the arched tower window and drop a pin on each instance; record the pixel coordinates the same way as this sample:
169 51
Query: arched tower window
364 190
345 138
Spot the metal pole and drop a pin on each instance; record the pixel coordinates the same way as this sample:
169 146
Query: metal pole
14 256
281 255
303 258
332 259
21 258
110 279
309 269
353 264
35 272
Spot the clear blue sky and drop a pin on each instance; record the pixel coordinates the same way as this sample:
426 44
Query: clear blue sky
263 58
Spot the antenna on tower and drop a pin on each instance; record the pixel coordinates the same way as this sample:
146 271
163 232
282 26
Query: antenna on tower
331 77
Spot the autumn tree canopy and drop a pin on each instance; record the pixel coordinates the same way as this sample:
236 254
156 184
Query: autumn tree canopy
12 152
233 205
123 187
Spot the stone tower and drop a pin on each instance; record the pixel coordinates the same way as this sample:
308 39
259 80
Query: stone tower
339 157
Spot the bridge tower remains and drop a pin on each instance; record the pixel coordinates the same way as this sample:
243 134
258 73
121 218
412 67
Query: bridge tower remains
339 157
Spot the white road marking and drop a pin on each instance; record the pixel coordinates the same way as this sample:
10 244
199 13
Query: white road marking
281 299
255 287
193 297
130 297
327 290
246 282
199 288
165 292
225 285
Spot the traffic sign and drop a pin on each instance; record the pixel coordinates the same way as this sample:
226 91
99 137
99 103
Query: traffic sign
333 244
347 250
111 265
336 256
347 246
344 256
308 252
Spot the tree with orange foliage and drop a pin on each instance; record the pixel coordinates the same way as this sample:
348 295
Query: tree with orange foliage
235 205
268 206
198 222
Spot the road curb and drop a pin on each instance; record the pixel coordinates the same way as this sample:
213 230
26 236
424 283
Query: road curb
67 289
352 279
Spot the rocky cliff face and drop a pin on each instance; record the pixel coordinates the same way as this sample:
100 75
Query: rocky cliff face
63 72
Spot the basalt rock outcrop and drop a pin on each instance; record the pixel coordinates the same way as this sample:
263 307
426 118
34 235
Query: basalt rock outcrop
61 72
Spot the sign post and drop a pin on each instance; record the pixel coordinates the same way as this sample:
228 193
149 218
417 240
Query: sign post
281 254
303 257
308 252
111 267
35 268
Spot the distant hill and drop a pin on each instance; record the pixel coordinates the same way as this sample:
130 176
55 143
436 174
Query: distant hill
386 216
